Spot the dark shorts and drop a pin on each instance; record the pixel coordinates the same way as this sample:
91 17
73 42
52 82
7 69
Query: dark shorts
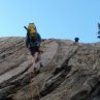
33 50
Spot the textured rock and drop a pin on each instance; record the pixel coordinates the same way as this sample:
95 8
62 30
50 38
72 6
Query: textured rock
70 71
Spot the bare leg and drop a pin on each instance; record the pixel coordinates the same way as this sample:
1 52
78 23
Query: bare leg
39 59
36 56
33 59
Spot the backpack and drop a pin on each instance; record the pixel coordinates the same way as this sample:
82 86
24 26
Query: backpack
32 31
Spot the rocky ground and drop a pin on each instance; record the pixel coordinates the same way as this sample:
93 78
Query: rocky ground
70 71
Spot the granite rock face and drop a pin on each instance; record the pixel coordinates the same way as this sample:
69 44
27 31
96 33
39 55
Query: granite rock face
70 71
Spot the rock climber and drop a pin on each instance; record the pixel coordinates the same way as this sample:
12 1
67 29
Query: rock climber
76 39
33 41
98 31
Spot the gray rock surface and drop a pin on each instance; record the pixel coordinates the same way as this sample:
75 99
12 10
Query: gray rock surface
70 71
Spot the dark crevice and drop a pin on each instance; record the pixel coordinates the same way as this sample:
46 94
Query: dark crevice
58 76
55 83
95 93
12 67
7 83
